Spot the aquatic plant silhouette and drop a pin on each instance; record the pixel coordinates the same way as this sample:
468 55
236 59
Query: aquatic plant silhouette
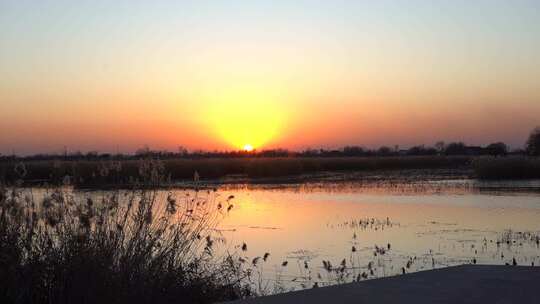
125 246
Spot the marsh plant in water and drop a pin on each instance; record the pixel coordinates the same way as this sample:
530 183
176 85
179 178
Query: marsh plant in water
120 247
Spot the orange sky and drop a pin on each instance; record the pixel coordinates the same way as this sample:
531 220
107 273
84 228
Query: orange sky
101 76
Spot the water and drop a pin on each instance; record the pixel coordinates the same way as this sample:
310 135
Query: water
326 233
424 229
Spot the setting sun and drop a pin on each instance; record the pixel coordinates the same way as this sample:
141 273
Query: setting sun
245 114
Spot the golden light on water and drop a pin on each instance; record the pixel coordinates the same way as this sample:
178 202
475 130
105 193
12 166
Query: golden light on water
245 118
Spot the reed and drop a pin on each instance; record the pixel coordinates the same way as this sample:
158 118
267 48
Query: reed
520 167
122 247
111 172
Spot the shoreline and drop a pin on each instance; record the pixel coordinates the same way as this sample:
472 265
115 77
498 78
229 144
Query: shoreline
457 284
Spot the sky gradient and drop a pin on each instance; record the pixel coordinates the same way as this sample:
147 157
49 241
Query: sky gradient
93 75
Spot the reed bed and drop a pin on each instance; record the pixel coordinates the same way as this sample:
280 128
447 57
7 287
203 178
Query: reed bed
113 172
122 247
507 167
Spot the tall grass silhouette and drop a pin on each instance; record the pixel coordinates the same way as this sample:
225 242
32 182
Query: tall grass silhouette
102 173
520 167
132 246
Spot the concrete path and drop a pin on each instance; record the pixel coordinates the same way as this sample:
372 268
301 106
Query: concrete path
460 284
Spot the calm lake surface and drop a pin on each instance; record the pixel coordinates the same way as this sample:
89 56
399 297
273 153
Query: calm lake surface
326 233
428 225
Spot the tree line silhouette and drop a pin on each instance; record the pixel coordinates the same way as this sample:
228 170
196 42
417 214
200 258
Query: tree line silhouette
532 148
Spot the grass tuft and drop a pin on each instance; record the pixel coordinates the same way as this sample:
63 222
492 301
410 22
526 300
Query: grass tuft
123 247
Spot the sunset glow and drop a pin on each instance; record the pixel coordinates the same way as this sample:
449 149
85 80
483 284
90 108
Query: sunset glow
217 151
287 74
244 115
